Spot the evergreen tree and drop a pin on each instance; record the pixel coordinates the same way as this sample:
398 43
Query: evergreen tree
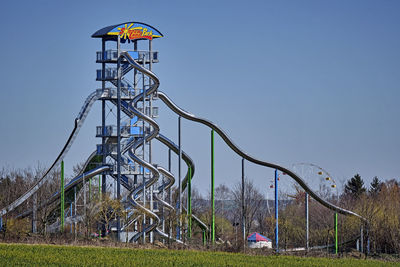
376 186
355 186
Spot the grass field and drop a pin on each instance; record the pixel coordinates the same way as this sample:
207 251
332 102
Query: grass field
47 255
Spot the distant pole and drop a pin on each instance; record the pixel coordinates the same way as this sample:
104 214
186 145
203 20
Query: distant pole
75 223
362 240
336 223
307 222
336 233
189 207
62 196
276 213
84 195
212 190
368 242
34 214
70 214
243 210
169 191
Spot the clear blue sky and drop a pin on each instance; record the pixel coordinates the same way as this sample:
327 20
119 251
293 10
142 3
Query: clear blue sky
289 81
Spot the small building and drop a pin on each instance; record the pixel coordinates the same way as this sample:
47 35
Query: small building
255 240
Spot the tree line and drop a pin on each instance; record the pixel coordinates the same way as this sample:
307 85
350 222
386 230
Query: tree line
378 202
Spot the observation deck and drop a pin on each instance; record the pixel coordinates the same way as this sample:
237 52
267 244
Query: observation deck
111 56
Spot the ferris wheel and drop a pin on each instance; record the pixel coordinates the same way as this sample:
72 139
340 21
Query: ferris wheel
318 179
322 183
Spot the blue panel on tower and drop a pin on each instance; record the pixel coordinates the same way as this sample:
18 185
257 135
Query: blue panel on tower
135 129
146 170
134 54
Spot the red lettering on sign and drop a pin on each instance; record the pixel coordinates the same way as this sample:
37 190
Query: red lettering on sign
134 34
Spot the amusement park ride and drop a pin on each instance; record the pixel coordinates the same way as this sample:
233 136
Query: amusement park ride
125 152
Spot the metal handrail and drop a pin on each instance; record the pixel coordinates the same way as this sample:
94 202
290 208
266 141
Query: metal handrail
114 54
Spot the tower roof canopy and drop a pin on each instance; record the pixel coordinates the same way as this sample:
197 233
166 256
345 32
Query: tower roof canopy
128 31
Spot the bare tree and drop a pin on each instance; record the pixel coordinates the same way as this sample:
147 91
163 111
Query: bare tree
222 195
47 212
107 210
253 199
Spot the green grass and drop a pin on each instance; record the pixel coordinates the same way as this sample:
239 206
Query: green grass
47 255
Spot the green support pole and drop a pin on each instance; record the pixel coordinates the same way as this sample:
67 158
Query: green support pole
189 192
204 238
99 187
336 233
212 190
90 189
62 196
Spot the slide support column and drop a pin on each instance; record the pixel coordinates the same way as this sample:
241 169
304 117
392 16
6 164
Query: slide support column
62 196
189 207
118 137
243 209
179 203
336 233
307 222
276 213
212 190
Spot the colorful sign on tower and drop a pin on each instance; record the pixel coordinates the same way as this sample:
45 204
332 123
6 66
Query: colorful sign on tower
129 31
135 31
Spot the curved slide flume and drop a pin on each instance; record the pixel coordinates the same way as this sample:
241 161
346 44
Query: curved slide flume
77 125
74 182
170 181
165 186
131 110
134 195
244 155
189 162
79 179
